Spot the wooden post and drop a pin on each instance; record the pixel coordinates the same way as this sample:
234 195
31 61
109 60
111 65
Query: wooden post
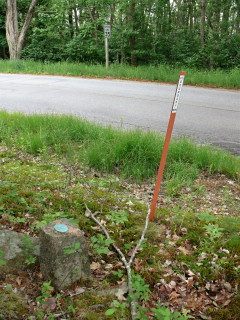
166 145
106 53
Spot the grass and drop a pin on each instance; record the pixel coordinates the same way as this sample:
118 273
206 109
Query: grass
163 73
132 154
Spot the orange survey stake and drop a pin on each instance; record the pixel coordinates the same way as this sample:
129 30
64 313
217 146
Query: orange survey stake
166 144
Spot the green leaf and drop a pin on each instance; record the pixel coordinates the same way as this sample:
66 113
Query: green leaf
119 217
69 251
116 303
77 246
102 250
2 262
109 312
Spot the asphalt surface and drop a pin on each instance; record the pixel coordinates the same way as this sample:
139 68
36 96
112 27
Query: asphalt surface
209 116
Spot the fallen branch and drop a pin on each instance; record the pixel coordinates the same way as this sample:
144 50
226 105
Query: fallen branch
126 263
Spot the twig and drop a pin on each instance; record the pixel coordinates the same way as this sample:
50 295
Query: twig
141 239
93 216
126 263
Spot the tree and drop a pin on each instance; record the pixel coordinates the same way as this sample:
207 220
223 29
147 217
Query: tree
3 42
15 39
196 33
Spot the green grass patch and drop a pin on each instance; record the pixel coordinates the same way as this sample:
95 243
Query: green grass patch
163 73
132 154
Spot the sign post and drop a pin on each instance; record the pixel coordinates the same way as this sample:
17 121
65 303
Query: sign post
166 144
107 34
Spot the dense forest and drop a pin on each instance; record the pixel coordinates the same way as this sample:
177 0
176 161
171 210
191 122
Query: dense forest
195 33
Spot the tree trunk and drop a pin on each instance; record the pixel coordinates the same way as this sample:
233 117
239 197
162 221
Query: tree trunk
12 32
76 19
15 39
225 18
132 39
190 15
3 55
202 26
237 23
112 16
70 20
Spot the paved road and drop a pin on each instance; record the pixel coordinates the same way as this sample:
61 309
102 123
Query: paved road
206 115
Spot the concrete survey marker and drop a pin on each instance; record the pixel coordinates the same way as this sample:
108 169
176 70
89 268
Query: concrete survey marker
60 262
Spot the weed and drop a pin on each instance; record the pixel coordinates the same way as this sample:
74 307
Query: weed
118 217
141 290
116 305
119 273
213 231
100 244
71 309
43 301
163 313
46 293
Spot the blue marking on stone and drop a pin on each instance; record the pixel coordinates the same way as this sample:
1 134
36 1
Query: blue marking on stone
61 227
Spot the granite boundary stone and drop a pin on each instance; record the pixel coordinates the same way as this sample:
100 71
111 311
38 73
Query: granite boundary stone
12 246
56 266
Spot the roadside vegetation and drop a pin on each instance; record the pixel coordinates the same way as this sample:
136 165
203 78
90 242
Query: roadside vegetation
54 166
162 72
132 154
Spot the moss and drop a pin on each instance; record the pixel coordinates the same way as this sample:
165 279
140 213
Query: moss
91 306
14 265
231 312
11 305
231 272
233 244
140 207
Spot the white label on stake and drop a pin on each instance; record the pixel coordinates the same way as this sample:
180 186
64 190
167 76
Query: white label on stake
177 95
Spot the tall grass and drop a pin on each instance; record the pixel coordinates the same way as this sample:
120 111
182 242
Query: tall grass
163 73
133 154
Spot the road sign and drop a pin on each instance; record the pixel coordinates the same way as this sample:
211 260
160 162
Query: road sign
107 31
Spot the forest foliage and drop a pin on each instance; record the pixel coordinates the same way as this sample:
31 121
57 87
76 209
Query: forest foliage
194 33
